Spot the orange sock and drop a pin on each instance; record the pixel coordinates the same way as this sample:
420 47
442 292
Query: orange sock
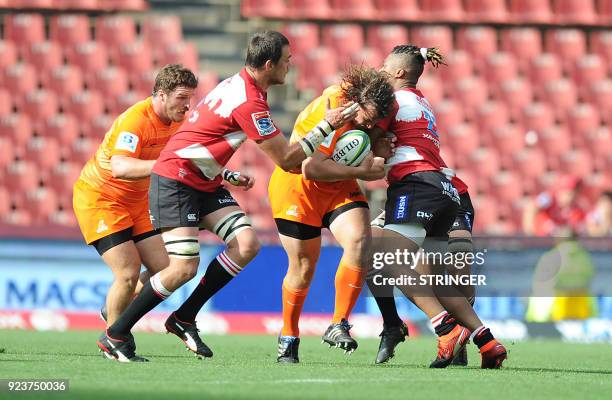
349 280
293 301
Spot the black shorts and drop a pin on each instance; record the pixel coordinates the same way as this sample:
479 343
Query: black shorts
173 204
465 215
423 198
106 243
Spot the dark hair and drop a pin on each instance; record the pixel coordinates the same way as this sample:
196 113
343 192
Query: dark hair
415 60
264 46
172 76
365 85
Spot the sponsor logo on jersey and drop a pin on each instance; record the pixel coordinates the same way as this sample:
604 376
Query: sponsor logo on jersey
292 210
401 206
449 190
126 141
227 200
263 123
424 214
102 227
192 217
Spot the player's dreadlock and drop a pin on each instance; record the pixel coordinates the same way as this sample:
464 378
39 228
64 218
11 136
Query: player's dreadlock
365 85
416 57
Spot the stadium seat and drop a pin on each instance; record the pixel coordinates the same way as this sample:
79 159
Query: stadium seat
343 39
40 105
6 103
485 161
7 152
593 185
63 127
578 162
85 5
303 37
568 44
43 55
506 187
18 127
486 11
184 53
162 30
588 70
143 82
500 67
309 9
263 8
471 92
85 106
69 29
353 9
601 43
121 103
40 203
24 29
604 10
529 163
111 83
448 115
599 142
125 5
530 11
583 119
22 176
524 43
442 10
65 82
462 140
44 152
369 56
561 95
322 69
491 115
398 10
507 140
90 57
33 3
81 151
600 95
115 29
479 42
19 218
207 81
433 36
5 202
554 141
8 53
537 116
386 37
101 124
487 213
574 12
135 57
20 79
544 68
62 178
431 87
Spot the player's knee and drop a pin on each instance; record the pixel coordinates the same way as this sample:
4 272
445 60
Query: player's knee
302 270
128 278
245 247
187 272
356 247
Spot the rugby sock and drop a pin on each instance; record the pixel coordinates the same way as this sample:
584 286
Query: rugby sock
388 310
293 301
219 273
443 323
348 282
152 293
481 336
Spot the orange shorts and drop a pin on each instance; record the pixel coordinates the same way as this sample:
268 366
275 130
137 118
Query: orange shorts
313 203
100 215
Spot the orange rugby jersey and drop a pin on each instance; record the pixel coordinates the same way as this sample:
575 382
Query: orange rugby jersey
137 133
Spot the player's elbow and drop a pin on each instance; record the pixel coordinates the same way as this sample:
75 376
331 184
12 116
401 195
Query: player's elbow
309 169
118 168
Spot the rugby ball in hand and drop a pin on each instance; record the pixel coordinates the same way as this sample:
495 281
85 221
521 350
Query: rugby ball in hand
351 148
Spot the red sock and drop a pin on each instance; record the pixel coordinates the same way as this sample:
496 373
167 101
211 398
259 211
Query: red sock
349 280
293 301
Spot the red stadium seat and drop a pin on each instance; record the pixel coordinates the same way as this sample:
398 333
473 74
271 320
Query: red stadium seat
90 57
554 141
81 151
119 105
8 53
599 143
487 212
70 29
537 117
530 11
184 53
135 57
44 55
491 115
263 8
478 41
507 140
7 152
448 114
143 82
600 95
353 9
386 37
303 37
592 186
578 162
111 83
529 163
398 10
343 39
33 3
462 140
486 10
18 218
545 67
207 81
524 43
162 30
5 202
322 69
44 152
85 106
601 43
574 12
471 92
506 187
433 36
604 10
62 179
583 119
500 67
442 10
65 82
568 44
6 103
20 79
63 127
24 29
115 29
18 127
485 161
369 56
459 66
40 203
431 87
309 9
561 95
125 5
589 69
22 176
40 105
86 5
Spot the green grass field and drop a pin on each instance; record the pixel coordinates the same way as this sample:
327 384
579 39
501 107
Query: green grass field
244 367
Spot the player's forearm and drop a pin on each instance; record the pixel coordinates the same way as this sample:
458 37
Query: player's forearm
123 167
328 170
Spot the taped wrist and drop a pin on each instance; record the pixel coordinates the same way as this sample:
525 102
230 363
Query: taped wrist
315 137
231 176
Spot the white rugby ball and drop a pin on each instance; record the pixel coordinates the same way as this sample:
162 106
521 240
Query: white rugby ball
351 148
